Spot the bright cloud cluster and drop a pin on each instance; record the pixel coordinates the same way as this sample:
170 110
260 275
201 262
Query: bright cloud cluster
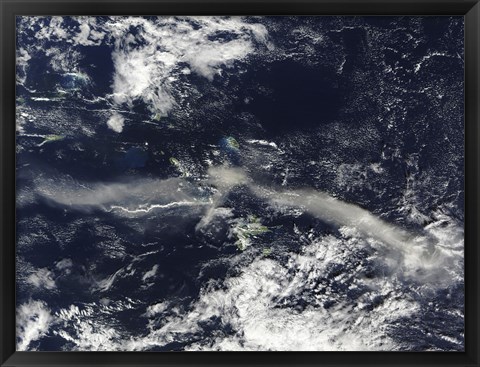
33 321
116 122
150 53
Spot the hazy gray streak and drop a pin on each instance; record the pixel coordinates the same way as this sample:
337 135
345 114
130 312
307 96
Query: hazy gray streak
128 195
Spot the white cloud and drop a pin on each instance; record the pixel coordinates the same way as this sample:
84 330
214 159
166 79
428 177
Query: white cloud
259 304
116 122
52 29
33 321
105 284
64 264
42 278
152 55
90 335
151 273
22 58
156 309
90 327
146 64
422 256
263 142
255 305
82 37
408 251
63 61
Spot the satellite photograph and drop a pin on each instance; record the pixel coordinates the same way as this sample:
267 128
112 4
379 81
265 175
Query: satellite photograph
239 183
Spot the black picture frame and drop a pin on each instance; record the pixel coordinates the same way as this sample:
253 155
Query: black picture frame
11 8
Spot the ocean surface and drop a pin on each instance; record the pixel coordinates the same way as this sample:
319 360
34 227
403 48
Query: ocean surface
240 183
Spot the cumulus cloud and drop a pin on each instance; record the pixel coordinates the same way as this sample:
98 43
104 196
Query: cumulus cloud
156 309
252 304
90 33
255 305
22 58
105 284
52 28
85 327
409 251
33 321
147 63
151 273
259 303
64 264
116 122
151 55
82 37
42 278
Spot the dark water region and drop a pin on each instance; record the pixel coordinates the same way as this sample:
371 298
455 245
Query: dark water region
302 98
98 64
